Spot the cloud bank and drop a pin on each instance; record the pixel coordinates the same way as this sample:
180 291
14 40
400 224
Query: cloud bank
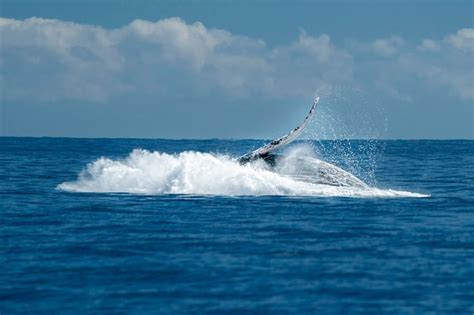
54 61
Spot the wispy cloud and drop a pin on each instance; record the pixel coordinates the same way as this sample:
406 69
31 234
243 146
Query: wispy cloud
387 47
463 39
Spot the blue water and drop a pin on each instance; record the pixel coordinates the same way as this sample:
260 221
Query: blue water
69 252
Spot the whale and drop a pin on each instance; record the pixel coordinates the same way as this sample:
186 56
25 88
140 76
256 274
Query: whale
265 152
308 169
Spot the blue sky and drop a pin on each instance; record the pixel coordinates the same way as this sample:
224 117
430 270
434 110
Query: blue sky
237 69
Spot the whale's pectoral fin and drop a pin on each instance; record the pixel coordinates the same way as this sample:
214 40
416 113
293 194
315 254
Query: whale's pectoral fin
265 151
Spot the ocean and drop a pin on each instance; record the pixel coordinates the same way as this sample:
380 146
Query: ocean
131 226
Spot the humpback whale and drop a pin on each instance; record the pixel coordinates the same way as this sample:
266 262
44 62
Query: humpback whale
264 152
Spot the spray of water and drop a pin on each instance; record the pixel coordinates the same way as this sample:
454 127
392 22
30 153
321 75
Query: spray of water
353 125
298 173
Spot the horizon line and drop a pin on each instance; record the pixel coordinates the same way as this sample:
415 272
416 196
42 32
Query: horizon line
238 139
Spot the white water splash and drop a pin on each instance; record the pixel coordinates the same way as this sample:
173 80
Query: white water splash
144 172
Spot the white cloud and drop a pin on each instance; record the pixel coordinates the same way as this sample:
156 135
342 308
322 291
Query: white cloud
93 63
463 39
435 66
52 60
449 64
387 47
428 45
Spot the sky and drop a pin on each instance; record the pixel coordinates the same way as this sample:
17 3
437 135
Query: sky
237 69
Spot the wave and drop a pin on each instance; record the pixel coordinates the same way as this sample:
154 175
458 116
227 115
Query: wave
298 173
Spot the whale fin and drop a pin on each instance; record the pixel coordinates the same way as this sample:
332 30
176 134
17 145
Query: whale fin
282 141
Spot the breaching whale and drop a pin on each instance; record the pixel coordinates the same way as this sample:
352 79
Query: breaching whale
265 151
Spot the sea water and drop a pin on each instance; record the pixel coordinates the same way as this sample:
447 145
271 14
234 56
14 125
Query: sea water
178 226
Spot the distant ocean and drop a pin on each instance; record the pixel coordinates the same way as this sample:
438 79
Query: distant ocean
129 226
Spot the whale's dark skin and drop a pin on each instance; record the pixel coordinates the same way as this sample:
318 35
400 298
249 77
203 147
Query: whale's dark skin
270 159
264 152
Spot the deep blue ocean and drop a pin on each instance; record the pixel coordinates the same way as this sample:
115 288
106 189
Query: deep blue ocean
125 226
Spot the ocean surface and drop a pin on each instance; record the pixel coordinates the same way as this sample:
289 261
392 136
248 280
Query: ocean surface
128 226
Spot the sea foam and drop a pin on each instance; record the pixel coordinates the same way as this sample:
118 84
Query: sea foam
196 173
